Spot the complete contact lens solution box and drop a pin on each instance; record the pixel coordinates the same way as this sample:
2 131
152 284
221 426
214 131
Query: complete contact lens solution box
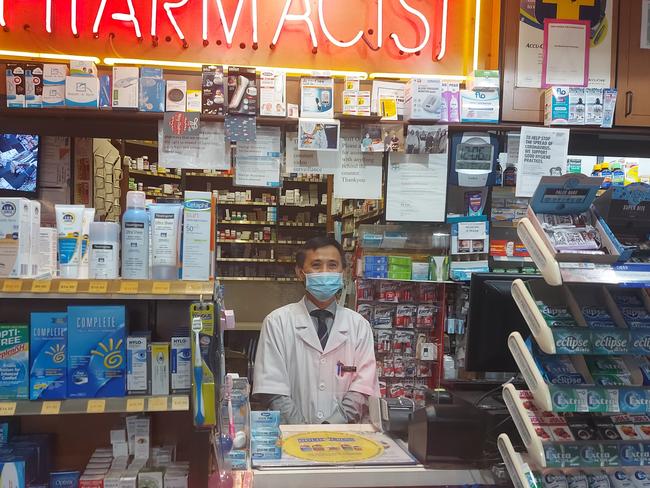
96 352
48 356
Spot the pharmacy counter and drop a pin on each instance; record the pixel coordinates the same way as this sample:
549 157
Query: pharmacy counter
345 456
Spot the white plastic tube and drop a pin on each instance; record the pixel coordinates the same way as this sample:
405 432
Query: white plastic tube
69 226
165 240
88 217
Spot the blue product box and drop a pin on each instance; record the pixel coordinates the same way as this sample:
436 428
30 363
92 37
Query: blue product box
47 361
105 97
152 95
237 458
640 342
14 359
634 400
265 452
96 352
146 72
64 479
572 340
265 418
8 428
631 455
12 472
610 341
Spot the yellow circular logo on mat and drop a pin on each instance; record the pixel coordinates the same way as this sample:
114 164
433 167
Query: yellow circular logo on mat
331 447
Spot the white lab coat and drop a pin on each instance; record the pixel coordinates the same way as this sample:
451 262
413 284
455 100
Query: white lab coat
290 360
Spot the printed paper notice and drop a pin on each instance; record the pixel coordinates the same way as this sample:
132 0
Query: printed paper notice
359 174
417 186
645 25
542 152
566 53
309 162
258 163
204 148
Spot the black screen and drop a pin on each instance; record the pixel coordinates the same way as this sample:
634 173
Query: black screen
493 315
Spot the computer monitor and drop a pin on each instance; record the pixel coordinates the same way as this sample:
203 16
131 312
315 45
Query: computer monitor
19 157
493 316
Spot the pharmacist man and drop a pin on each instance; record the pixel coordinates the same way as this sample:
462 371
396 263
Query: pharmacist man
315 360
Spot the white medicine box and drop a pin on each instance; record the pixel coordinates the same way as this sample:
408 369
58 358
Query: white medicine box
125 86
422 99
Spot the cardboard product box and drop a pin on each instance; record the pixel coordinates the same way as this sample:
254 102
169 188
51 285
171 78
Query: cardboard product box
317 97
105 93
350 102
273 93
213 90
53 96
551 198
34 85
556 105
14 350
54 74
176 96
15 237
15 76
125 87
194 100
152 94
363 103
242 90
577 106
594 110
83 68
483 78
422 99
82 92
480 106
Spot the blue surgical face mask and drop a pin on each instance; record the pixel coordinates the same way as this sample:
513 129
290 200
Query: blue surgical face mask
323 286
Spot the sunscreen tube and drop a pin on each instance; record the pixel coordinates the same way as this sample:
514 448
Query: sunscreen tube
165 240
69 226
88 217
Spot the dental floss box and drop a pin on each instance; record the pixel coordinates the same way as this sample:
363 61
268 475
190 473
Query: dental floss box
48 363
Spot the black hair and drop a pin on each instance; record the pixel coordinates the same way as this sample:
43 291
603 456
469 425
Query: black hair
317 243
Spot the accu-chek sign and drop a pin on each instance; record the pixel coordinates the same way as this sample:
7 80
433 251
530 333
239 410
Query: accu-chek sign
368 35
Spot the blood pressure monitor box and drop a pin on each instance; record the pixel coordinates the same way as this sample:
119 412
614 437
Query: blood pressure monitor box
423 99
480 105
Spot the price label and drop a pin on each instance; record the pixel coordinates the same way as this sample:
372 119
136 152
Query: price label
157 404
135 405
161 287
41 286
68 286
129 287
96 406
180 403
7 409
12 286
193 287
50 408
98 287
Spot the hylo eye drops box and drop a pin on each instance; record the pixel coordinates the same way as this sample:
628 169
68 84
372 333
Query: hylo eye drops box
198 236
181 364
160 368
15 240
96 352
48 364
14 357
137 353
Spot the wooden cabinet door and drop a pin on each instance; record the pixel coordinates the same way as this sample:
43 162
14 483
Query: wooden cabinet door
633 76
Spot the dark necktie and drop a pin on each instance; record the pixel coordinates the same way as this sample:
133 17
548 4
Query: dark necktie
323 333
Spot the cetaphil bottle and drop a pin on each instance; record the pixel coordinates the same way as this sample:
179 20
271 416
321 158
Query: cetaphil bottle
135 238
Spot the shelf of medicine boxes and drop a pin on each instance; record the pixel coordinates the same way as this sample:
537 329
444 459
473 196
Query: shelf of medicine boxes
582 398
629 341
106 289
555 273
128 404
519 465
170 176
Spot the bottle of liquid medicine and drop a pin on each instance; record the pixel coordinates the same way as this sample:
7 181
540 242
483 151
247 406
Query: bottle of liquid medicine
618 175
606 173
135 238
596 171
510 175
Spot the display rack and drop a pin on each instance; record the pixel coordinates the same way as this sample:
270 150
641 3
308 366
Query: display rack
556 273
517 464
131 404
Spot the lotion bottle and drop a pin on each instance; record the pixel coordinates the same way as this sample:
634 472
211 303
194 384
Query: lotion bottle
135 238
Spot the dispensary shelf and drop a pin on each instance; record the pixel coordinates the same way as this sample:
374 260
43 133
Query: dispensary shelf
303 205
245 222
156 175
246 204
106 289
245 260
207 175
517 464
243 241
292 243
131 404
581 398
409 281
256 278
300 224
555 273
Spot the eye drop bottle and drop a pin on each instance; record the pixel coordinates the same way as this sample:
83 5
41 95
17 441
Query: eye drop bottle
135 238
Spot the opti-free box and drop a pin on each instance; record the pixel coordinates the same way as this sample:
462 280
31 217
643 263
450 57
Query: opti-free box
34 85
64 479
14 357
47 371
96 352
15 239
82 91
125 87
15 76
